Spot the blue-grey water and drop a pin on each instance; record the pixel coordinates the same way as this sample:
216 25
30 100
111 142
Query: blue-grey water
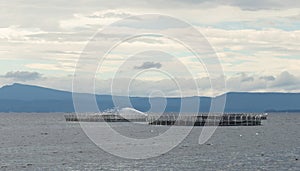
47 142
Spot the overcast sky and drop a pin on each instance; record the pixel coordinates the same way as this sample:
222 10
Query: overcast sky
257 42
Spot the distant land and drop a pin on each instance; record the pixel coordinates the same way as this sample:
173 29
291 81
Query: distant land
29 98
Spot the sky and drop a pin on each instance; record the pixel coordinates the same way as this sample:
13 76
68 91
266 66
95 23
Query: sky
256 41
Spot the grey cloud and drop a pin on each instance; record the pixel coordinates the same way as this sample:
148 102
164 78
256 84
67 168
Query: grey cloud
286 80
148 65
246 79
244 82
23 75
267 78
243 77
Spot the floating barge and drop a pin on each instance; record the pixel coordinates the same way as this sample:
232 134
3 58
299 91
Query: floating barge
172 119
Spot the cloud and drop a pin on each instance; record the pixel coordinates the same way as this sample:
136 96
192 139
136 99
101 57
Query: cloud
61 66
245 4
95 20
257 38
248 79
23 75
265 4
109 14
148 65
15 32
267 78
284 82
287 81
245 78
281 82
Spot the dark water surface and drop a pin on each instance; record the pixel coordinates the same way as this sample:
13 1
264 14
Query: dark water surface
47 142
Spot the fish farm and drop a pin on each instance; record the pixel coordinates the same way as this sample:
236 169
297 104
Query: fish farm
209 120
235 119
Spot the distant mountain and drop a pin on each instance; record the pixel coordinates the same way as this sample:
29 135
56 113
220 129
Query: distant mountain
28 98
29 93
261 102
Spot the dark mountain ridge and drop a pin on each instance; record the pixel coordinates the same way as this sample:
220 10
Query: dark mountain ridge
29 98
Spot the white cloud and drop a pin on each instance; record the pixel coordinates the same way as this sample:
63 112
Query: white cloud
95 20
256 51
16 33
68 67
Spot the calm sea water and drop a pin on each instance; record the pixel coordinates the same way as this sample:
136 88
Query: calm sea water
47 142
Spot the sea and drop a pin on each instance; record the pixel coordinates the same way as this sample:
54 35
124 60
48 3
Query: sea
35 141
